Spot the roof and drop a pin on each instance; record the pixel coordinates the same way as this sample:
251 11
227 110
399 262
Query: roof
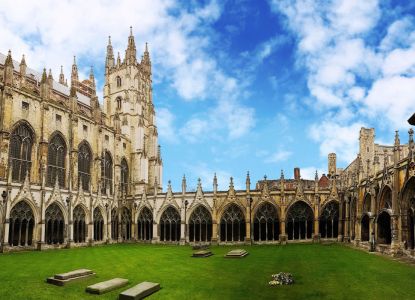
63 89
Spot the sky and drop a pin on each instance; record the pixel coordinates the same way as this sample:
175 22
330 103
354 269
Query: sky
258 86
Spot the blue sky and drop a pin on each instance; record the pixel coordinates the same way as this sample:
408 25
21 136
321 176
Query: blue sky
242 85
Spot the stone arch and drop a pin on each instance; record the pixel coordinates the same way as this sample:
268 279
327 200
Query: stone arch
85 164
385 198
145 224
365 228
232 224
55 224
79 224
329 220
408 212
384 227
367 202
21 224
57 159
170 225
126 222
98 224
266 222
299 221
200 224
114 223
107 172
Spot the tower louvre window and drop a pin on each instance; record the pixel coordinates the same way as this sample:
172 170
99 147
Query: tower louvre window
119 103
118 81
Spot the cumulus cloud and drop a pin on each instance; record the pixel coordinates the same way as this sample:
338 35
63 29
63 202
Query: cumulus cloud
278 156
350 76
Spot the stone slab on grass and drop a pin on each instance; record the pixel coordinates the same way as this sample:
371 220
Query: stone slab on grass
202 253
237 253
140 291
62 279
106 286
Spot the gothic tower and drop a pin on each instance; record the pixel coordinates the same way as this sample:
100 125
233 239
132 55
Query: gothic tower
128 105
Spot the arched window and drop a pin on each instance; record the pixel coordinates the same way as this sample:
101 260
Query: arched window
56 160
386 199
84 165
54 224
329 220
365 228
299 221
21 142
126 224
366 204
266 223
21 225
170 225
200 225
79 225
106 173
145 225
119 103
118 81
124 177
98 225
114 224
232 224
384 228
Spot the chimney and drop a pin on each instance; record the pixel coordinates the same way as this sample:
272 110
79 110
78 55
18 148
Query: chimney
297 173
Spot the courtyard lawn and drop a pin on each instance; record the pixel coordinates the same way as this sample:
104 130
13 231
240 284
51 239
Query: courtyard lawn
320 271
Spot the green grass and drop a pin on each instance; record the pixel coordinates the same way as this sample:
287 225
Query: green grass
320 272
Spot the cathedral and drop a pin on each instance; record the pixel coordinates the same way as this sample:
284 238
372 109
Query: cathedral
77 173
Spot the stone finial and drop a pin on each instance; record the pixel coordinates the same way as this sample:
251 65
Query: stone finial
184 185
411 135
231 183
118 60
74 72
316 176
61 77
50 77
397 140
215 183
23 61
248 182
282 175
9 61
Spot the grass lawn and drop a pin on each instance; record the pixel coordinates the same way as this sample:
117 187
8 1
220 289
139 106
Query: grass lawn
320 271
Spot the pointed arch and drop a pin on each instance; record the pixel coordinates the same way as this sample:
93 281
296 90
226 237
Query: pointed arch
56 159
266 222
299 221
55 224
200 224
365 231
385 200
145 224
232 224
21 224
79 224
408 212
170 221
126 223
367 202
106 173
20 150
384 227
329 220
98 224
114 224
84 165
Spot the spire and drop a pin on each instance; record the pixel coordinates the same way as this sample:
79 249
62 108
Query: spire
215 184
9 61
118 60
316 176
184 185
23 66
248 182
44 76
130 53
62 77
74 73
397 140
109 61
50 77
91 76
282 175
8 69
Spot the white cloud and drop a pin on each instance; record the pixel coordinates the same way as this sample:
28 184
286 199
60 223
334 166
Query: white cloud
278 156
310 172
165 124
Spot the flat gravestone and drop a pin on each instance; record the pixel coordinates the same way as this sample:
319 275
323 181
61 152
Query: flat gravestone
62 279
237 253
107 286
202 253
140 291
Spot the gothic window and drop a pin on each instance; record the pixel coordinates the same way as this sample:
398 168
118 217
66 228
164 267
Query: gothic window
79 225
145 225
22 223
170 225
114 224
84 165
21 143
200 225
299 221
98 225
126 224
386 200
329 220
119 103
384 228
56 160
54 225
118 81
232 224
106 173
266 223
124 177
411 223
365 228
366 204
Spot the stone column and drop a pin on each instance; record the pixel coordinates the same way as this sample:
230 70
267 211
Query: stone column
347 222
316 237
283 235
215 235
357 231
340 225
156 234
